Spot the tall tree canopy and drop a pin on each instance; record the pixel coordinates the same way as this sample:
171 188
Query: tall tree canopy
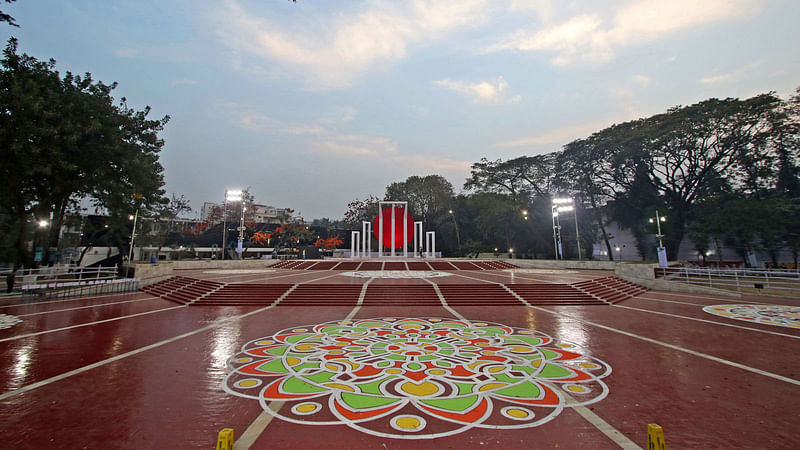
64 139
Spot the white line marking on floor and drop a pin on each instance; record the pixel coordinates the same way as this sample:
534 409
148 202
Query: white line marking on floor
674 347
21 336
74 299
714 322
667 345
91 306
598 422
86 368
257 427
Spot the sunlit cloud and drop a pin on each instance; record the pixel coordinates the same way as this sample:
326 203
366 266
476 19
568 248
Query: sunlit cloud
332 53
556 136
586 38
732 76
253 120
482 91
354 145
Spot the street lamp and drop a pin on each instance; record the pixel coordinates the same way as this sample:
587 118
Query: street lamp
241 233
561 205
658 219
661 251
230 196
133 217
619 253
525 214
455 224
511 251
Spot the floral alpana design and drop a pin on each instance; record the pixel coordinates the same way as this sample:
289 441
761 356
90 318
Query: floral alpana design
778 315
415 378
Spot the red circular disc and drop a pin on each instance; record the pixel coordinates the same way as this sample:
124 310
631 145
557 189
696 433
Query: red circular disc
400 216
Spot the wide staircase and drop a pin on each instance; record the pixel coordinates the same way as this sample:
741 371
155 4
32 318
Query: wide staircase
323 295
182 290
600 291
542 294
478 295
394 265
244 295
611 289
391 295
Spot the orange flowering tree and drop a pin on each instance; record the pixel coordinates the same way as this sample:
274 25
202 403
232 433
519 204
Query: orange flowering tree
328 244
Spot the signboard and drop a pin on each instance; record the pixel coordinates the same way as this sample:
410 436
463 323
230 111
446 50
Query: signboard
662 257
37 255
239 247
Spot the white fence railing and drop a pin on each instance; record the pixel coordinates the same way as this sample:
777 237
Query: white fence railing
67 281
783 280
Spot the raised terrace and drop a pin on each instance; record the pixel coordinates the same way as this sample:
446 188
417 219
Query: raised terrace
375 353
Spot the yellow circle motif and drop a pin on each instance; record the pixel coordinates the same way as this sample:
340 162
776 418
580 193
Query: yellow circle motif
565 345
306 407
576 388
408 423
265 342
299 330
518 413
244 360
248 383
393 371
588 365
437 372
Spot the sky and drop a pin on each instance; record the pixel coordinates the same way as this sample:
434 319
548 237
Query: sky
316 103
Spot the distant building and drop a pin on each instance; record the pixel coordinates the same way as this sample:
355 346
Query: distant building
261 213
270 214
205 211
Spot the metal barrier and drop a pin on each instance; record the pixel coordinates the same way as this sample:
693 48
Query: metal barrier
69 281
779 281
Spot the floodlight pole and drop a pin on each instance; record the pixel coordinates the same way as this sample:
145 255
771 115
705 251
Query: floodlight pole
224 222
133 233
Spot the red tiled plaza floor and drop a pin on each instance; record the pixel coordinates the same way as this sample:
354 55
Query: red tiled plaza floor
138 371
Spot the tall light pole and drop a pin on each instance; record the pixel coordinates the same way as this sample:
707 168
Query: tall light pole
658 219
455 224
556 240
241 233
230 196
566 205
135 217
661 251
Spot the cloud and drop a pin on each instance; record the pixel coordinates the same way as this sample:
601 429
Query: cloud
642 80
556 136
354 145
586 38
250 119
482 91
732 76
334 51
564 135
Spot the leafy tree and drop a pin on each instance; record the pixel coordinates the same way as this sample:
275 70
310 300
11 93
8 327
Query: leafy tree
7 18
533 175
361 210
65 140
427 196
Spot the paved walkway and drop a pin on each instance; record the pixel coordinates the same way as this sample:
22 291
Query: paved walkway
136 371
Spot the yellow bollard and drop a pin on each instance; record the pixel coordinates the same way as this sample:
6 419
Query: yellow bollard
225 439
655 437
